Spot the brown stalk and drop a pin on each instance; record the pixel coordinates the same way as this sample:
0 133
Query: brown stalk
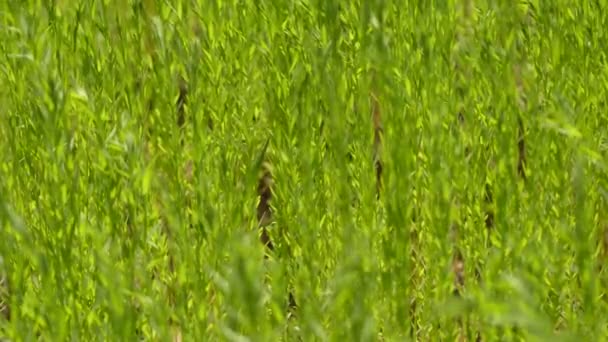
521 143
488 196
414 326
458 270
264 212
459 276
378 131
457 258
378 166
603 241
182 99
458 261
5 310
521 146
265 217
489 210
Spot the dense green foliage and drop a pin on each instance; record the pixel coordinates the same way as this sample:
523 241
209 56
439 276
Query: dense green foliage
132 135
